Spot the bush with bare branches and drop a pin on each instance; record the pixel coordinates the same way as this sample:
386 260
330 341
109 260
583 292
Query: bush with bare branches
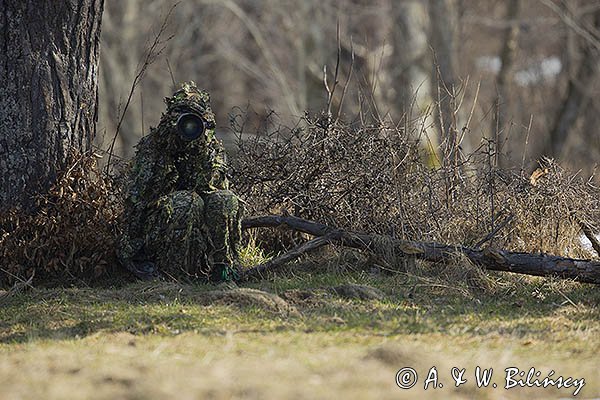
375 177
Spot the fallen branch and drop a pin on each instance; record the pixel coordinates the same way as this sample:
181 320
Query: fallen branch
18 287
494 231
289 256
495 260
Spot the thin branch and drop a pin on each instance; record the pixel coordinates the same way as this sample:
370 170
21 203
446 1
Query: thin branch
142 111
590 37
466 128
17 287
288 256
171 74
337 118
497 229
331 90
155 50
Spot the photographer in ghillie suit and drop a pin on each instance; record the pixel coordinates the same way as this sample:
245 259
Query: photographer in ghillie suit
181 220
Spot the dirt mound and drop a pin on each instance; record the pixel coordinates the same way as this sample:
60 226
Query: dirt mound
360 292
245 297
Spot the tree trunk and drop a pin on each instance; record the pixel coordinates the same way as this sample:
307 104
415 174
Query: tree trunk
48 91
577 93
507 58
409 69
442 25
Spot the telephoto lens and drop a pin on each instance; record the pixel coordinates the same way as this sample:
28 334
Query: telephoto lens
190 126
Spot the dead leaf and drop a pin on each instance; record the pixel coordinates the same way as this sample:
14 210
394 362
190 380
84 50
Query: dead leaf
537 175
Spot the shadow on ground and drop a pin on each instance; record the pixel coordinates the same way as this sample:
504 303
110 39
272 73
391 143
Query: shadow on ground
380 305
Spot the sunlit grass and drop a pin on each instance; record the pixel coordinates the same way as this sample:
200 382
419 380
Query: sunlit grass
157 340
251 254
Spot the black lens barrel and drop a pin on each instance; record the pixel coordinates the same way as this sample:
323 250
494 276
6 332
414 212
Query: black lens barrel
190 126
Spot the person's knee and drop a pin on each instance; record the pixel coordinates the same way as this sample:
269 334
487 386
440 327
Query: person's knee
181 204
222 202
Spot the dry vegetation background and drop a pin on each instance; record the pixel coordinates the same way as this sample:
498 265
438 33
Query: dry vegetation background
432 117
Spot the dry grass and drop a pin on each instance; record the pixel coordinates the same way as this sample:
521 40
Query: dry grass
70 236
155 341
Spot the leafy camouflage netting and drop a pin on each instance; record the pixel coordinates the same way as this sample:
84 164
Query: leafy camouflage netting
181 219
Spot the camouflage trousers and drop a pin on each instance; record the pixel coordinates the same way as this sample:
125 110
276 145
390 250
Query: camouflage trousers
188 235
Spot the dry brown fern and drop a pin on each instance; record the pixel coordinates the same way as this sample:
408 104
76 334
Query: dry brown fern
69 236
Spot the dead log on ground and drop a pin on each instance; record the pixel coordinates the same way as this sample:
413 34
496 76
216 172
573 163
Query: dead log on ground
496 260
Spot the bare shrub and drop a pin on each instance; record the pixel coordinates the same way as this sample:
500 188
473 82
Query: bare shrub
325 174
375 177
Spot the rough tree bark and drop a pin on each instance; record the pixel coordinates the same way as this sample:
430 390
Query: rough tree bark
48 91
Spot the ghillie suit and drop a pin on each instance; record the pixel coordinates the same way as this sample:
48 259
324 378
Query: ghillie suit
180 218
